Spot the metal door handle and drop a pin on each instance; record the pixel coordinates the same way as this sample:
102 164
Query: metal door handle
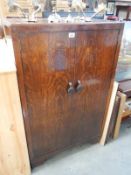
70 89
79 86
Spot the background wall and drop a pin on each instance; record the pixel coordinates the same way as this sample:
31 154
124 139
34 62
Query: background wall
26 4
3 6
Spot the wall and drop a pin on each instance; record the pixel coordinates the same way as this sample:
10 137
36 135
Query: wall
27 4
24 3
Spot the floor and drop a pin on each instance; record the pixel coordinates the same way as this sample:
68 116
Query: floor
112 159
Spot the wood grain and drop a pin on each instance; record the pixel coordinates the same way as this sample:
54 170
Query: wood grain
120 112
108 118
47 60
13 148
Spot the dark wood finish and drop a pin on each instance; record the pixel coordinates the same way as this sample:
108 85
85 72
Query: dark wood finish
125 87
7 31
1 32
126 8
48 64
113 119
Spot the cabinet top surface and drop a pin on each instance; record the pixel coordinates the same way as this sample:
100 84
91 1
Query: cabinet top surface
43 25
44 22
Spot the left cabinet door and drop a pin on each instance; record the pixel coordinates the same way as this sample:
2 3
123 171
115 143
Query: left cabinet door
48 67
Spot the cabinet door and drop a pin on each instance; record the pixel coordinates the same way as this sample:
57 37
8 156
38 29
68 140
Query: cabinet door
48 67
94 67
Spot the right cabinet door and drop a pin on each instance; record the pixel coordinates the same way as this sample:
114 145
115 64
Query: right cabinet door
94 65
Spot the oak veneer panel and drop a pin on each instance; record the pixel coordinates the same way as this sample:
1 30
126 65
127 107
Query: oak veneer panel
13 148
109 114
47 60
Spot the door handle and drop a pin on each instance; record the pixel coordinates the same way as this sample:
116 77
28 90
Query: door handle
79 86
70 89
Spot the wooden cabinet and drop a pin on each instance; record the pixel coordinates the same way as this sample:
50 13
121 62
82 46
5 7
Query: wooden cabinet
65 74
